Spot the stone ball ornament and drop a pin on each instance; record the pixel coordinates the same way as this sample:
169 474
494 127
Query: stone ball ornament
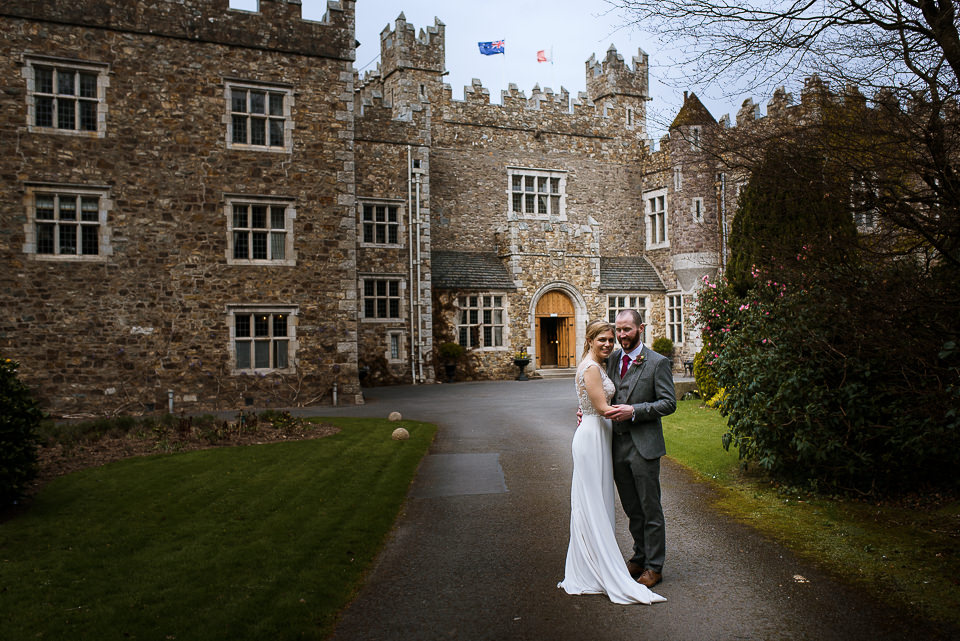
394 416
400 434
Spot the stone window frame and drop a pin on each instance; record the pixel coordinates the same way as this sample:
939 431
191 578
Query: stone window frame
696 209
487 312
386 296
289 213
656 219
674 317
285 90
105 205
619 301
362 223
696 135
291 312
32 62
630 118
395 337
553 199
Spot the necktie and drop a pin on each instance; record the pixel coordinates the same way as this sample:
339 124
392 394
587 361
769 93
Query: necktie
624 365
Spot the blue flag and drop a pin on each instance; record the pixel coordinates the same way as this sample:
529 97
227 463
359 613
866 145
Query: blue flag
491 48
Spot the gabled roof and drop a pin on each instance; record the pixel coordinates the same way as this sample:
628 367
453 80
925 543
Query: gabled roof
692 113
469 271
629 274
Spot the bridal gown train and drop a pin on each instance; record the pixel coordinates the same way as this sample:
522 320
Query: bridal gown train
594 563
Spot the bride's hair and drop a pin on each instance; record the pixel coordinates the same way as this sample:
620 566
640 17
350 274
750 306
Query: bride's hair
594 329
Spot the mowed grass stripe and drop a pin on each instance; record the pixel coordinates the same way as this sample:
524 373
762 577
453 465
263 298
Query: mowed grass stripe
265 541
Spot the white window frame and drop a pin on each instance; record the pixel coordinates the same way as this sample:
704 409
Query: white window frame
374 224
656 217
80 194
270 339
386 295
542 194
62 65
234 201
620 301
696 209
487 312
674 317
285 92
395 338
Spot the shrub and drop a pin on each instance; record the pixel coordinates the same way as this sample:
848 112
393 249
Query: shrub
663 345
703 374
451 352
19 419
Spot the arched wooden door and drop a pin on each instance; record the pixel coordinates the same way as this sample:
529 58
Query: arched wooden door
555 331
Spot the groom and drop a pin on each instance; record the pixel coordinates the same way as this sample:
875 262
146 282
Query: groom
645 392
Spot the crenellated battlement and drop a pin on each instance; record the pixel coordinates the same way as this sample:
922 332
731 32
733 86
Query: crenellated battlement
402 48
614 77
278 25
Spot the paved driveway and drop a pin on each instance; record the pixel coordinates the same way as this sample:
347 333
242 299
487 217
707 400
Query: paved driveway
479 549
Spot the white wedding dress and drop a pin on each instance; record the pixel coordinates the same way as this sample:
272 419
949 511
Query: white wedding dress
594 563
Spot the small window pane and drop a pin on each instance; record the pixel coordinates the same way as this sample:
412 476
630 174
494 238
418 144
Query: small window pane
239 129
68 208
242 325
280 355
65 113
261 325
277 220
44 111
239 215
257 102
90 241
258 217
517 182
90 209
45 239
44 79
243 354
279 325
44 206
68 239
276 104
258 131
241 247
276 133
278 246
65 80
88 115
261 354
88 85
259 245
238 100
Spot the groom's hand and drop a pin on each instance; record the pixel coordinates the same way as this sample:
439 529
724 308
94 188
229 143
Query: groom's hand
579 415
619 413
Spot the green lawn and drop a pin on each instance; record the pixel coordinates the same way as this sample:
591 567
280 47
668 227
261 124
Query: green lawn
258 542
907 557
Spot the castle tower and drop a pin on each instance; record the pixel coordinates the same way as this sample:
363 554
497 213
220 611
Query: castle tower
618 91
411 65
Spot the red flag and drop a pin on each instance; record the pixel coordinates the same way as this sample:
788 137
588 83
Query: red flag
542 56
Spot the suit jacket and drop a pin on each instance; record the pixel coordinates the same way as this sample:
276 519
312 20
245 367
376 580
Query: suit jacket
649 388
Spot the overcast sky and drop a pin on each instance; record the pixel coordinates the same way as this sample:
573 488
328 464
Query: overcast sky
573 29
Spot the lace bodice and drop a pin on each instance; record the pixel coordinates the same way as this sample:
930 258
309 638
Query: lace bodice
608 387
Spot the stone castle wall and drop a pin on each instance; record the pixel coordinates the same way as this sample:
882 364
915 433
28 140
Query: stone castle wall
115 333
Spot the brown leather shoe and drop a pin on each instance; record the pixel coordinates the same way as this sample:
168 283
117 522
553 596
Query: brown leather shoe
650 578
635 569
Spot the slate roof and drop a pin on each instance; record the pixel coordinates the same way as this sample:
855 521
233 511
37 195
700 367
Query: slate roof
469 270
629 274
692 113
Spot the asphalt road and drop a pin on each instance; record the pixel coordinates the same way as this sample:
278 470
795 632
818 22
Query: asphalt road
480 546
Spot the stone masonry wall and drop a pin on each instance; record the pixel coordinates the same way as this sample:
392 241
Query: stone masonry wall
114 333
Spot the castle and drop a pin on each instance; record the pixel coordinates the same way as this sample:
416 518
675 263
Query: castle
207 208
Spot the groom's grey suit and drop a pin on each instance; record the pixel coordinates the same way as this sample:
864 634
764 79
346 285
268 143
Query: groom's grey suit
638 446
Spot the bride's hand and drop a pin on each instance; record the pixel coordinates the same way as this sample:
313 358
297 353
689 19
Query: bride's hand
619 413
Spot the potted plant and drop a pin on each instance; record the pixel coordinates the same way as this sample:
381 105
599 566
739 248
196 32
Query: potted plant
450 353
521 359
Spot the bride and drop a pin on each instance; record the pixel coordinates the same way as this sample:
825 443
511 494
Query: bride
594 562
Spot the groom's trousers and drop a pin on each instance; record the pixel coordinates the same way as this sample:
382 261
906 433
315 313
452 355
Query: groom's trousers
638 483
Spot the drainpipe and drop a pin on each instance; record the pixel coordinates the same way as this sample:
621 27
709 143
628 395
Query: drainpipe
723 222
413 358
417 178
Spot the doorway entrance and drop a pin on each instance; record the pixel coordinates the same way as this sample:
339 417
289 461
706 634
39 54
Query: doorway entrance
555 331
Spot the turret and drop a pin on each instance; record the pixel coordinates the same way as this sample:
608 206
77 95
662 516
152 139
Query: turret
411 65
619 91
